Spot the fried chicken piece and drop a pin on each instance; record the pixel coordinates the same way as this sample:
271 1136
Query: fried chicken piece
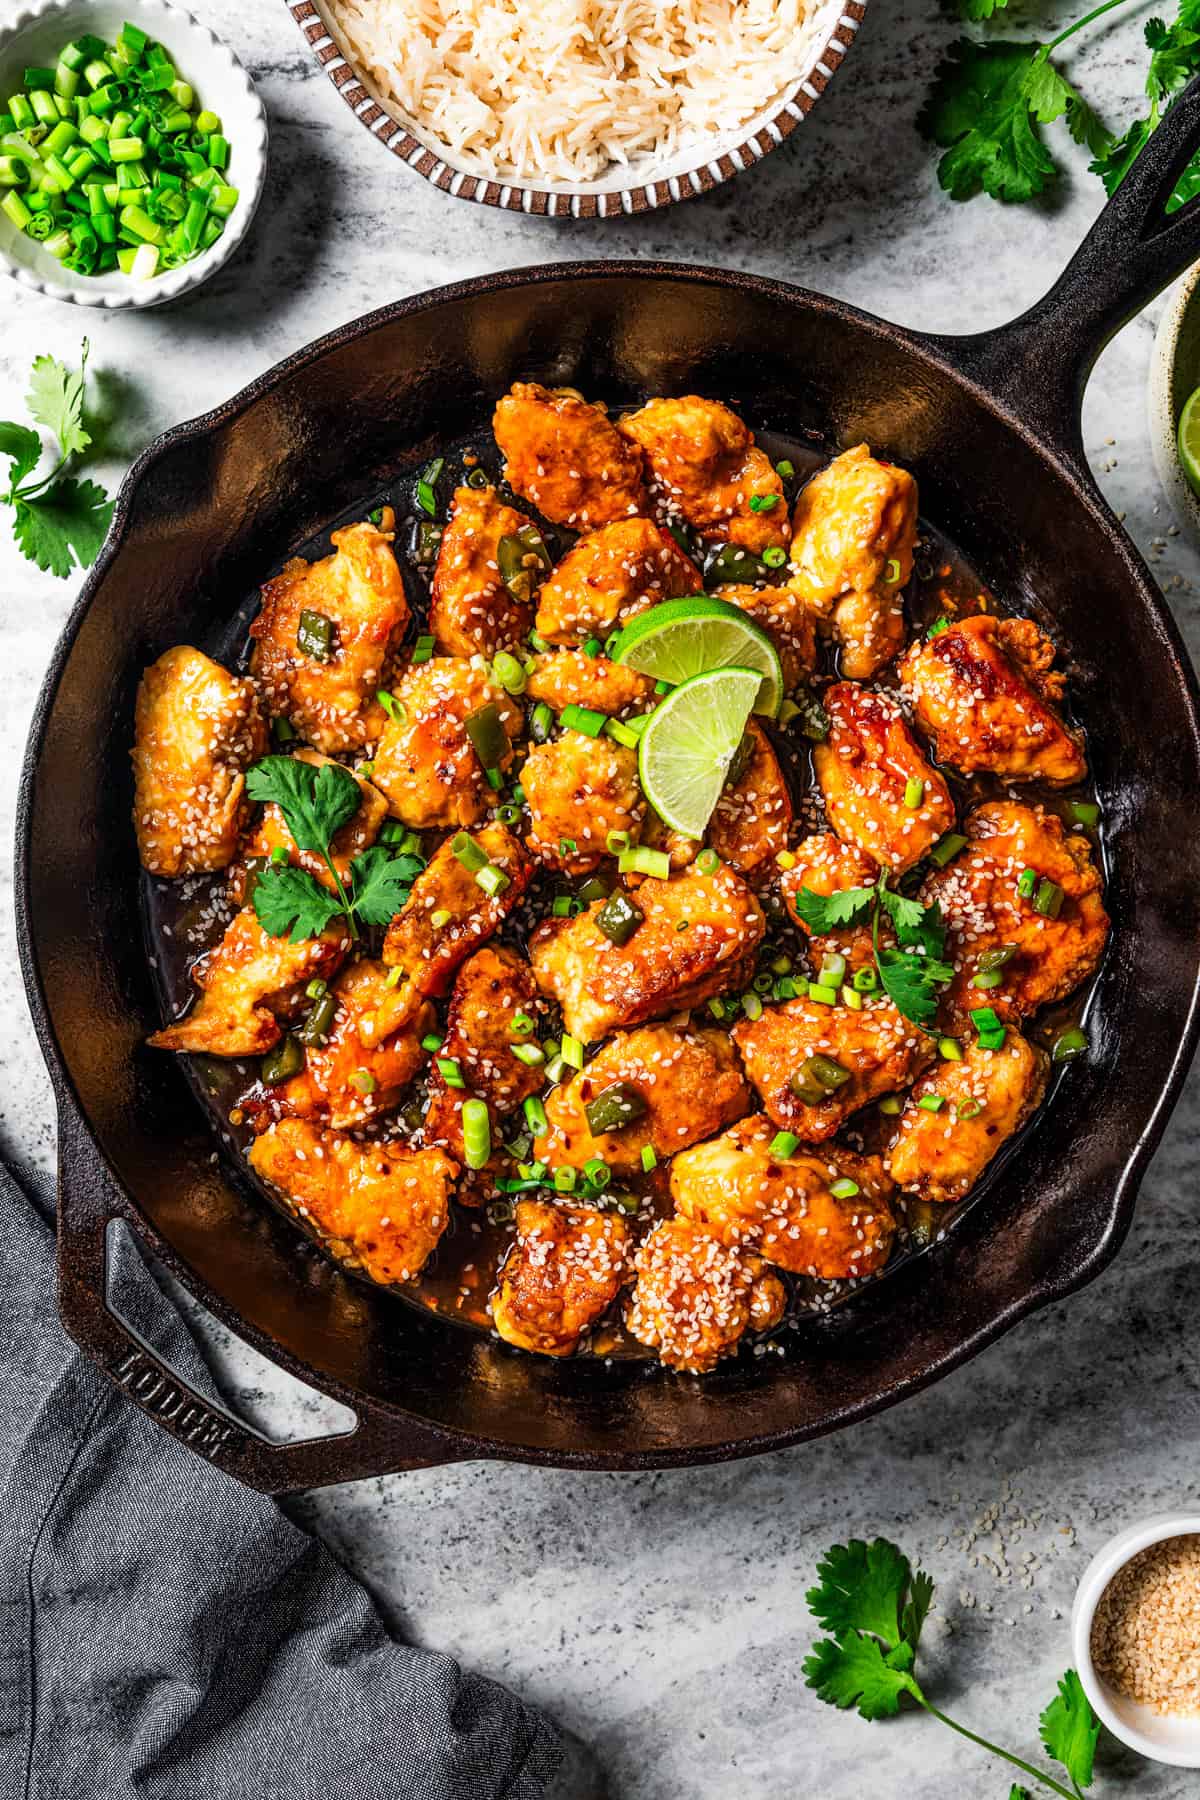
786 621
196 729
853 533
753 815
247 983
379 1208
986 914
987 1098
695 1299
985 691
578 789
425 762
611 574
735 1187
492 988
864 768
560 1276
697 937
689 1084
471 611
563 455
428 946
824 865
569 678
345 1081
706 468
330 699
876 1051
355 836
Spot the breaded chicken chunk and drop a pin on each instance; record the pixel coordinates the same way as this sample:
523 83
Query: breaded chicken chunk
377 1207
697 936
786 621
610 574
753 815
492 989
564 455
706 468
869 769
676 1085
446 916
560 1276
570 678
695 1299
986 1098
197 728
986 692
987 914
824 866
355 836
816 1065
853 533
578 789
325 637
472 610
735 1187
247 983
346 1081
425 762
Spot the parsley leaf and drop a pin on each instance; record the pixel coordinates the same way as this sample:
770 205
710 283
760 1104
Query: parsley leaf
315 802
25 448
857 1671
288 900
55 400
862 1587
1070 1728
63 524
826 912
382 883
911 982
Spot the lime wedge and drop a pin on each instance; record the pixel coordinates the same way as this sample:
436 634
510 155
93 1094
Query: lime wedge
687 747
1189 440
681 638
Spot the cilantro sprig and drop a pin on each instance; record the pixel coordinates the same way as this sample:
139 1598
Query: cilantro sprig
874 1607
58 520
316 803
911 975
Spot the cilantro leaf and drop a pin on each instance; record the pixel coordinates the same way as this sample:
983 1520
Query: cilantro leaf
985 108
916 1611
382 883
826 912
858 1672
1174 54
1070 1728
978 10
915 924
25 448
55 399
291 900
1114 161
862 1588
315 802
69 520
911 982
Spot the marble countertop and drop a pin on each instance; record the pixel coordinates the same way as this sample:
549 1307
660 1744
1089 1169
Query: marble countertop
661 1617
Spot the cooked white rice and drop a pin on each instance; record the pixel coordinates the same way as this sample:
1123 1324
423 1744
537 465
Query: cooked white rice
562 90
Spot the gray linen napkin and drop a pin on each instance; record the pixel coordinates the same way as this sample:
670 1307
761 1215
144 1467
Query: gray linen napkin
166 1634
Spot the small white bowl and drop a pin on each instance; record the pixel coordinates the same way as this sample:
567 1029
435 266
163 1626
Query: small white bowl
37 35
1161 1737
1174 374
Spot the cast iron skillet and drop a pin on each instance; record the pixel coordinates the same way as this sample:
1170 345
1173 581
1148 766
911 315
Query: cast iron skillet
990 425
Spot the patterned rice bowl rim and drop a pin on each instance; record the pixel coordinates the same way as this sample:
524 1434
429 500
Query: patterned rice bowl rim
838 26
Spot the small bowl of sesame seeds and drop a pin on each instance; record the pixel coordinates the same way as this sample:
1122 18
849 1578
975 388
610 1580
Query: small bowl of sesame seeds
1136 1635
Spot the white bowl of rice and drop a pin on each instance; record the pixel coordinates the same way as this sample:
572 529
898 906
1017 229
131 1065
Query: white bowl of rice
579 108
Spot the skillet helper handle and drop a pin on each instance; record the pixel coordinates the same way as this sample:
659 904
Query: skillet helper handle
1039 364
87 1202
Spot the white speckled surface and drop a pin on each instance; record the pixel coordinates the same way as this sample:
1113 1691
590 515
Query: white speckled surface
661 1616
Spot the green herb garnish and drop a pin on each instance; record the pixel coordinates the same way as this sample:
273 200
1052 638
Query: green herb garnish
911 975
59 521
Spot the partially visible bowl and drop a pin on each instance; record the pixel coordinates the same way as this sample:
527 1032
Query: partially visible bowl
626 188
37 35
1165 1738
1174 374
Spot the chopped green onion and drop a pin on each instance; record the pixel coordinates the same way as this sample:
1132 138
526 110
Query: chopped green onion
992 1040
892 572
597 1173
824 996
395 709
619 918
984 1019
522 1024
541 723
509 672
717 1008
774 556
440 918
639 859
477 1134
316 990
783 1144
833 969
761 503
509 814
621 734
535 1116
532 1055
592 647
466 851
914 792
752 1005
314 633
991 978
426 498
1027 882
843 1188
583 718
649 1159
1049 898
616 841
852 998
571 1051
560 906
564 1180
422 649
865 980
708 862
932 1103
949 1049
432 1042
538 643
492 880
939 625
451 1074
967 1109
280 856
614 1108
891 1106
1069 1044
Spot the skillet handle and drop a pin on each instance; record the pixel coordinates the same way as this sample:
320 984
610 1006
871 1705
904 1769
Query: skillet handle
87 1201
1038 365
